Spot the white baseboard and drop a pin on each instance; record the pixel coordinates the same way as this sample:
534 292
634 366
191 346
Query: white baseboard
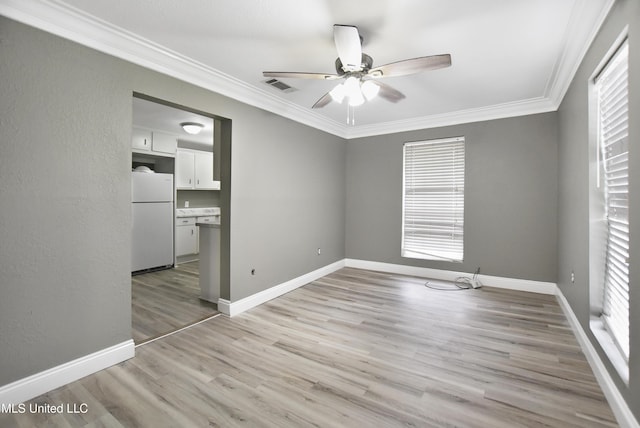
224 306
30 387
235 308
447 275
619 406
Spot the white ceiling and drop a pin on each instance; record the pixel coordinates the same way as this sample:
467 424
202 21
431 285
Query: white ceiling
509 57
159 117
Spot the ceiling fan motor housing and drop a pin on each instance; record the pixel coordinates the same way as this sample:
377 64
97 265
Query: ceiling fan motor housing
365 65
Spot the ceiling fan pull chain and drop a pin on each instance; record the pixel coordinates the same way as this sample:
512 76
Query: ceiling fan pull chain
351 112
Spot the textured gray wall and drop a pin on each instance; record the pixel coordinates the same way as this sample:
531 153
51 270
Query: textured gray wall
65 217
287 201
510 197
65 116
198 198
573 184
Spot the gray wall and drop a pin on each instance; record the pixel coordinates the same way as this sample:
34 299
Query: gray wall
287 201
510 197
65 217
573 207
65 116
198 198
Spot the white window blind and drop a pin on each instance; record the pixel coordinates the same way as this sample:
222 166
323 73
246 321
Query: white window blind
433 200
613 117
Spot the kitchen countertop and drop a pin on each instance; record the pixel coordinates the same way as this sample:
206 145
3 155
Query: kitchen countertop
202 214
197 212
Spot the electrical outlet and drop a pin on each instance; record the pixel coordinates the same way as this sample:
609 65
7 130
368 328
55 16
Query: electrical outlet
573 277
186 204
319 250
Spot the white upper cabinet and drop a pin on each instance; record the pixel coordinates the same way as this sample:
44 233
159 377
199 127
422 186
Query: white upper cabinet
185 169
204 171
153 142
194 170
141 139
164 143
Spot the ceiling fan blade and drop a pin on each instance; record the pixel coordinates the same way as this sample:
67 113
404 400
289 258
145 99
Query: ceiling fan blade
300 75
349 47
326 99
411 66
389 93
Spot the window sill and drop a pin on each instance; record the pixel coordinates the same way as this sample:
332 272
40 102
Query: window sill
444 257
610 349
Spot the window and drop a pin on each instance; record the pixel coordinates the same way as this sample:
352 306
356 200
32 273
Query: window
433 200
613 168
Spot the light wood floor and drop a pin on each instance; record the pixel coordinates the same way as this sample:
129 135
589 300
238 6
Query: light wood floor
353 349
166 300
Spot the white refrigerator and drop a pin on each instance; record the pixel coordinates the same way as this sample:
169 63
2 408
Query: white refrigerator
152 213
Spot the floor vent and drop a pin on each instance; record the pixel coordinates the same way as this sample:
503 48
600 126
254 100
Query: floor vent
279 85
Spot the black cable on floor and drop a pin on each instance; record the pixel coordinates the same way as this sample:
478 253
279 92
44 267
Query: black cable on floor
459 285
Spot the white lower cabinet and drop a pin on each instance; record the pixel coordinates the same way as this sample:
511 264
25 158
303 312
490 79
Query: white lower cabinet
186 236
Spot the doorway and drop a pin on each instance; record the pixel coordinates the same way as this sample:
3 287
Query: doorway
165 299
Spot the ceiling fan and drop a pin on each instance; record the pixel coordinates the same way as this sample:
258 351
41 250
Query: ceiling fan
361 78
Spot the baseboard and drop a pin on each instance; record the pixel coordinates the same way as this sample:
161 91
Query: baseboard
447 275
30 387
224 306
619 406
235 308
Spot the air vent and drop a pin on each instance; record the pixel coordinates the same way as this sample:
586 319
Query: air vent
279 85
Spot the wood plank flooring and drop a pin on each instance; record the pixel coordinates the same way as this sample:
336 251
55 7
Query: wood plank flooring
353 349
167 300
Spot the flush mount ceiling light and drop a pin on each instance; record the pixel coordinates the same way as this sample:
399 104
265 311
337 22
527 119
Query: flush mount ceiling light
192 128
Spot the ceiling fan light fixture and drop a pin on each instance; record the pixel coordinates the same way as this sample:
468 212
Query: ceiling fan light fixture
369 89
356 99
352 86
192 128
338 93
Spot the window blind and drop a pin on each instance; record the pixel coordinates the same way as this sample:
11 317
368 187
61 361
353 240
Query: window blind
613 114
433 200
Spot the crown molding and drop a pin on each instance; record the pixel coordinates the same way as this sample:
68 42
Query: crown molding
498 111
59 18
581 30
